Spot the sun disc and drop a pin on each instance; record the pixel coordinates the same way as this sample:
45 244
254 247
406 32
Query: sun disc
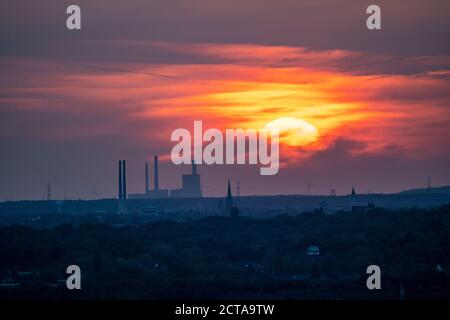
293 131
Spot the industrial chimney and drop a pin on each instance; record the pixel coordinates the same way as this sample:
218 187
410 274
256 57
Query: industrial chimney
122 188
120 179
146 178
156 177
124 183
194 168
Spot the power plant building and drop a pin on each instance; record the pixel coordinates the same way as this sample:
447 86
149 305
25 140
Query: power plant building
156 192
191 187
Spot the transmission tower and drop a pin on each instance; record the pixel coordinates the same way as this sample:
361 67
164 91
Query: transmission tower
238 189
308 186
49 191
95 194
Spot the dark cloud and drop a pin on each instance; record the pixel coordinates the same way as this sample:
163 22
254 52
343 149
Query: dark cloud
411 27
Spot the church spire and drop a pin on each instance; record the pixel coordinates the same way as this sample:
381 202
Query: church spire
229 202
353 198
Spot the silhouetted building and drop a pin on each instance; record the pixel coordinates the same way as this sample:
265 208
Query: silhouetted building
220 206
363 209
191 187
313 251
353 198
9 282
234 213
156 192
231 209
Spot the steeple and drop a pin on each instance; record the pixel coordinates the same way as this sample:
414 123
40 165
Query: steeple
229 202
353 198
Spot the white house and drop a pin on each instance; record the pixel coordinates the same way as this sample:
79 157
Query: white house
313 251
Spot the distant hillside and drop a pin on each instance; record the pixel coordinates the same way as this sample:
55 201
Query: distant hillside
443 189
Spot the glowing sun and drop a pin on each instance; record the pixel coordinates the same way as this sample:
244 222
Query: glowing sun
294 132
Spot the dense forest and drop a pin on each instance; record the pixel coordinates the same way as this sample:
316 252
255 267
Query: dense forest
219 257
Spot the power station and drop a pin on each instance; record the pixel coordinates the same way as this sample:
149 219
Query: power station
191 187
156 192
122 187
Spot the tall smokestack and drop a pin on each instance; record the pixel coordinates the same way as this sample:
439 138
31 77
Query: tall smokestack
124 184
146 177
120 179
156 177
194 168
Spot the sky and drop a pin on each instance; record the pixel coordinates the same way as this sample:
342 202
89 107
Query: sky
72 103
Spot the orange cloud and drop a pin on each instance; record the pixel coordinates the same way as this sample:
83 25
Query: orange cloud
248 86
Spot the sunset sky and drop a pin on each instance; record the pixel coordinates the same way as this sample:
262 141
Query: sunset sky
72 103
